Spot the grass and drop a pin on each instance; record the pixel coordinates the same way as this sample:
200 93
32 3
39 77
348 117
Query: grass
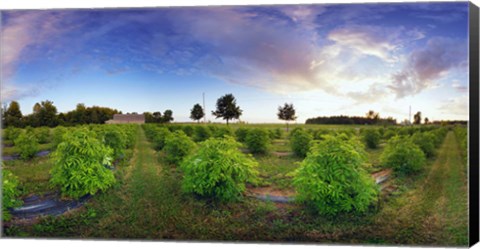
34 175
147 203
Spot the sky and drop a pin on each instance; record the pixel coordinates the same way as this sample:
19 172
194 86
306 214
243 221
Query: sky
335 59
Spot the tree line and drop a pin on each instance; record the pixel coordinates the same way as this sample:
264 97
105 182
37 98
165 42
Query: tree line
370 118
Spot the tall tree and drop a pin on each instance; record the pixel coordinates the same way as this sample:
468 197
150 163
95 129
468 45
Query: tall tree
13 115
426 121
287 113
167 116
373 116
417 118
197 113
47 115
157 117
227 108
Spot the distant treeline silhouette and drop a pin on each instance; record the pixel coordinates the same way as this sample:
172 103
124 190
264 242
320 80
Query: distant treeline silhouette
350 120
450 122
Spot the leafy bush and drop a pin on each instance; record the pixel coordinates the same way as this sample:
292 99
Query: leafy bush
115 138
188 129
222 131
241 134
10 193
58 133
79 164
403 155
43 135
439 134
389 134
218 170
130 131
11 133
27 144
426 142
202 133
300 142
278 133
159 137
332 180
462 138
371 137
257 140
177 146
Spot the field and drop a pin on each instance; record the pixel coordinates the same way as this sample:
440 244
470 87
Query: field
147 200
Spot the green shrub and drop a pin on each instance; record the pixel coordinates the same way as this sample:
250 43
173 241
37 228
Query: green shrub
10 193
331 178
241 134
177 146
426 142
58 133
257 140
300 142
403 155
11 133
218 170
278 133
462 138
389 134
43 135
202 133
79 164
27 144
188 129
115 138
130 131
222 132
159 137
371 137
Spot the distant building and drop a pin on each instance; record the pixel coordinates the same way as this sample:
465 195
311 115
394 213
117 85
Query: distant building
127 119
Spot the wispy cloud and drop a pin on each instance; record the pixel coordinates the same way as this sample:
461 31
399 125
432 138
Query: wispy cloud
428 64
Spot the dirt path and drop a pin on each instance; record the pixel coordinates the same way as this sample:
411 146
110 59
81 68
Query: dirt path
435 212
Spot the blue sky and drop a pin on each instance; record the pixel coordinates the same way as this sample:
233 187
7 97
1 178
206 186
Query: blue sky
325 59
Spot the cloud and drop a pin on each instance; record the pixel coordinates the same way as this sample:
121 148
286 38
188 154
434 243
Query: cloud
457 107
459 87
428 64
375 92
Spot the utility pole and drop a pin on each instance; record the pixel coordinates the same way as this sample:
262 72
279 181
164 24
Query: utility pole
205 110
410 115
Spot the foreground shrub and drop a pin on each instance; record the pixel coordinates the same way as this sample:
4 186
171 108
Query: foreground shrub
371 137
177 146
257 141
300 141
27 144
10 193
79 164
218 170
426 142
403 155
331 178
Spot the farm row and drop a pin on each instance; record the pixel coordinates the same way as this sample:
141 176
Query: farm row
91 148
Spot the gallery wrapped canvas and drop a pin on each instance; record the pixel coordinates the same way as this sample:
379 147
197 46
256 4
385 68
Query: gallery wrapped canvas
352 124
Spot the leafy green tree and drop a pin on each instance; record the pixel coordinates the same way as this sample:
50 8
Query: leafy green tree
332 180
197 113
177 146
167 116
157 117
405 157
287 113
13 115
257 141
44 114
227 108
10 193
79 164
218 170
417 118
426 121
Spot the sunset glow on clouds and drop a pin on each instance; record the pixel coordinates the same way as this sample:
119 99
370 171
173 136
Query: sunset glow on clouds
325 59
